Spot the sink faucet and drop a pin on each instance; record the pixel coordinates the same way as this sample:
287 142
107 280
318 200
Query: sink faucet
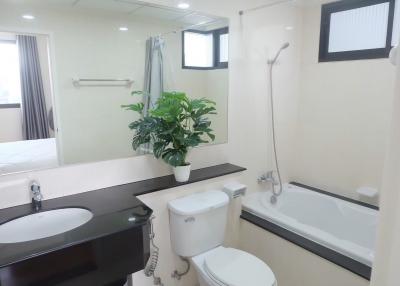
36 196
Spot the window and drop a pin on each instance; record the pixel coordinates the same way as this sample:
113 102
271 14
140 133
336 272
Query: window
357 29
205 50
10 87
199 50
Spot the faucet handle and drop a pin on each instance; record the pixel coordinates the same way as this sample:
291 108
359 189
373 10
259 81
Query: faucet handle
267 177
35 189
262 179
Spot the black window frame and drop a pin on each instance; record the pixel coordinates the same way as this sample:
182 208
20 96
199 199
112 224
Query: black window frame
328 9
216 49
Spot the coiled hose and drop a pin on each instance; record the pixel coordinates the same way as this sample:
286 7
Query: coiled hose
151 265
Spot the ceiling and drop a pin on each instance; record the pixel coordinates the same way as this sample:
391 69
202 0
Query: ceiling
134 8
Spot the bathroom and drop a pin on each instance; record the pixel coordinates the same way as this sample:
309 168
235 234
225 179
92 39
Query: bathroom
332 125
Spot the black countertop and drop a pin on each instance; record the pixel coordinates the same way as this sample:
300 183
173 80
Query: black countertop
111 212
111 207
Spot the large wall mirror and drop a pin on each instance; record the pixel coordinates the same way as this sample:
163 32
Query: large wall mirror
66 67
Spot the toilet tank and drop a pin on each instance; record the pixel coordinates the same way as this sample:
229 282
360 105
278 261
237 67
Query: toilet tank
198 222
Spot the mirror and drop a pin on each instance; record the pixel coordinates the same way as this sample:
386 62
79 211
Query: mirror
66 67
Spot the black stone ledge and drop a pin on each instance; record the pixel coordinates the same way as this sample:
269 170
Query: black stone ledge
335 257
168 182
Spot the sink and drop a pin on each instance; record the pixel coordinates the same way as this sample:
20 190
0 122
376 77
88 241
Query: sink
43 224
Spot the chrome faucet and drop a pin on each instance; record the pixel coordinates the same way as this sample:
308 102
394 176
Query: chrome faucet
268 178
36 195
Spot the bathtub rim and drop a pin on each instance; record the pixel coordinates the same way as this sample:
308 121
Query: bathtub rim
357 202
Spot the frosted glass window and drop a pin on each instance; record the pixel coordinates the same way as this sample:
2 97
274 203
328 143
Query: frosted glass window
359 29
224 48
10 86
199 50
396 26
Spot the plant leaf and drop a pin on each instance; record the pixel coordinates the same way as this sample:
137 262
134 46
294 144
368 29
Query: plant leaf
174 157
138 107
158 149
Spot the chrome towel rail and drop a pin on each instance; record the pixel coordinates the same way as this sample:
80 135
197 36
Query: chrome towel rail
101 82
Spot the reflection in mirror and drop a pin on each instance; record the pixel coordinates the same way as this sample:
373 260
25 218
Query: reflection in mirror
26 110
66 67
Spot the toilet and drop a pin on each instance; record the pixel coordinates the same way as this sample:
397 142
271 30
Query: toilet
197 224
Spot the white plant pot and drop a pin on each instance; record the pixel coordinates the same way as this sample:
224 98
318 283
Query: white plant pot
182 173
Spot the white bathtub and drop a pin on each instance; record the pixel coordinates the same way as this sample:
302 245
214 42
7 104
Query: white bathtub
337 224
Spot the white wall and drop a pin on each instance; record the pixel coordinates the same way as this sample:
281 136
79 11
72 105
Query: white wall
12 131
216 88
387 261
293 265
343 118
255 38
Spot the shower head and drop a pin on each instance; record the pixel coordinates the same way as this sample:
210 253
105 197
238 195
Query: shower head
284 46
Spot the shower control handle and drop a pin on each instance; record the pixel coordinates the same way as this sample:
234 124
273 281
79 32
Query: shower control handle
267 178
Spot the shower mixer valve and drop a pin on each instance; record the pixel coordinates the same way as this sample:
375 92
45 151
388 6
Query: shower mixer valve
268 178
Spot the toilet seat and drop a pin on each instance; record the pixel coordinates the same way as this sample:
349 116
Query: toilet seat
233 267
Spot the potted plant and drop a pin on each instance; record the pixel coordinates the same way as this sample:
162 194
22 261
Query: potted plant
171 127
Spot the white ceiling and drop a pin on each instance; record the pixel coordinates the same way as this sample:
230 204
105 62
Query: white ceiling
138 9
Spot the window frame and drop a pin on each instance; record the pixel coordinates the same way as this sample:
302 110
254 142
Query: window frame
14 105
330 8
216 49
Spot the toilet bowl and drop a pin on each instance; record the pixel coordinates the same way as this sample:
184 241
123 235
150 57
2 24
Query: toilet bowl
197 228
232 267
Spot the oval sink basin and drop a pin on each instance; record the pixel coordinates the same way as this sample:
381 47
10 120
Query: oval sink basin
43 224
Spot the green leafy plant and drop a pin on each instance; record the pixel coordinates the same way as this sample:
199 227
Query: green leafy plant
173 125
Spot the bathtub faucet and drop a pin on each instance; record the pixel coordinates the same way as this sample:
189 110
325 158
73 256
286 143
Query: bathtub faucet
36 196
268 178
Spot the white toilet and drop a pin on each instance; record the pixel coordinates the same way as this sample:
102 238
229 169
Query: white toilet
198 224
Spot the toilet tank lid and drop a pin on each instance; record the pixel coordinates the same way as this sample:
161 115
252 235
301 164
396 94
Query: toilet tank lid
198 203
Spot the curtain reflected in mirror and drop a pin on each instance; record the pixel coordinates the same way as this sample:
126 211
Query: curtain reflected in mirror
26 101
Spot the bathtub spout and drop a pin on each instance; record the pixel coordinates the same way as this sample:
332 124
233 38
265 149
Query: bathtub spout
274 199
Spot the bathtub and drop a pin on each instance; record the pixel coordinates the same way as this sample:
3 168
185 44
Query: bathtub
345 227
